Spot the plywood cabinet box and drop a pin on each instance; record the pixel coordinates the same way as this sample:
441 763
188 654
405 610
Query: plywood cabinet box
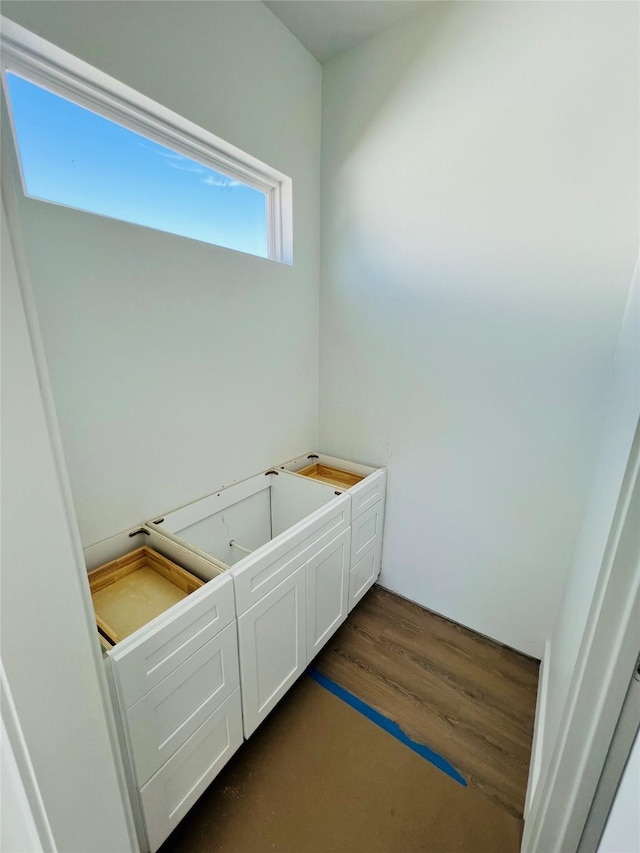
284 556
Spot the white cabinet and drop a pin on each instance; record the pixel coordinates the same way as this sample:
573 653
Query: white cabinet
302 542
291 589
367 493
263 570
366 551
365 484
281 633
285 554
363 574
366 531
273 647
175 686
367 487
168 715
327 592
169 795
144 659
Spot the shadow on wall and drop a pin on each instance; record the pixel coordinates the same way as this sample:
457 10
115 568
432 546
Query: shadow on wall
479 233
418 39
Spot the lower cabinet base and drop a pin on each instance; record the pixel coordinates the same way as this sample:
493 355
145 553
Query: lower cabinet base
257 623
169 795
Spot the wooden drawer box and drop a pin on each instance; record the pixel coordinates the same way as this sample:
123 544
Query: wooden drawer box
331 475
134 589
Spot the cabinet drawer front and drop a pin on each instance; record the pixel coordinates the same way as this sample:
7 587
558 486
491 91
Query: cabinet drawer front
327 592
366 531
367 493
264 573
169 795
168 715
272 642
363 575
152 653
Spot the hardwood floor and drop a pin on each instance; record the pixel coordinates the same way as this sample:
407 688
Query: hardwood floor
466 697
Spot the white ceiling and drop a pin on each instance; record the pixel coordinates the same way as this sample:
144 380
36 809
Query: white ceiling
327 27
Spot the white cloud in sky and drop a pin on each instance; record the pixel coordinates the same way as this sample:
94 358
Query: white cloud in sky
178 161
217 180
173 155
187 167
184 164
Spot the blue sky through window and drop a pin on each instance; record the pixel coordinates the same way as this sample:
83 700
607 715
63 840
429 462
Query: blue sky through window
77 158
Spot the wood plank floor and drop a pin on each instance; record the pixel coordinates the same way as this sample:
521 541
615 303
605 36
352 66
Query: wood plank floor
466 697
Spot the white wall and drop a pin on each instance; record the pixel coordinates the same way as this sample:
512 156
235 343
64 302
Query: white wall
622 832
178 366
622 416
18 831
49 647
480 224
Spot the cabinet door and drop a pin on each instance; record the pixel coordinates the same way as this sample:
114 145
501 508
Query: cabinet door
363 575
272 642
169 795
367 493
327 592
366 532
168 715
148 656
267 568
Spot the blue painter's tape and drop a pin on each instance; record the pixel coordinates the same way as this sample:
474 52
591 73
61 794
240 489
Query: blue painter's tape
388 725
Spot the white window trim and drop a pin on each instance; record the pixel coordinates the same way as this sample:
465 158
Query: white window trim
45 64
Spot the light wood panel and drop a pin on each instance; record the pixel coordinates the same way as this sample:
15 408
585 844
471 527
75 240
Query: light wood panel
134 589
466 697
330 475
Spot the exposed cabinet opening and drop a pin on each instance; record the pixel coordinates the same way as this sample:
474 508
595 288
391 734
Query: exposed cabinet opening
339 473
130 591
330 475
235 522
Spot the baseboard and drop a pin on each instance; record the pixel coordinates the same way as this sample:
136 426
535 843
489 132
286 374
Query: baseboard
535 764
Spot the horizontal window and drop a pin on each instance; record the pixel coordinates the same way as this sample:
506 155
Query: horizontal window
71 153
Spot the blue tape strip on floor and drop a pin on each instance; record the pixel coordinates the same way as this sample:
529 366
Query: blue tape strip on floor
388 725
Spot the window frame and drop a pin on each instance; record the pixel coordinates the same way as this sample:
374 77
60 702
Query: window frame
46 65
